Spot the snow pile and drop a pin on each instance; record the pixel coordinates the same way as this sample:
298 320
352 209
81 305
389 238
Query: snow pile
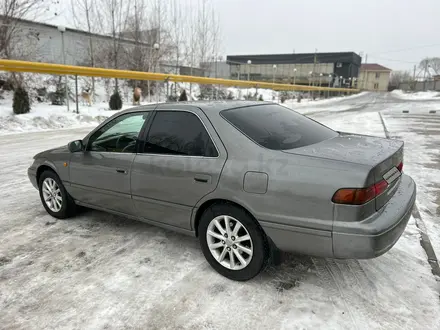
428 95
240 93
44 116
308 102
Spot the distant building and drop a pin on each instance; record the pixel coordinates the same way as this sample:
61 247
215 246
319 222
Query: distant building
42 42
374 77
216 69
306 68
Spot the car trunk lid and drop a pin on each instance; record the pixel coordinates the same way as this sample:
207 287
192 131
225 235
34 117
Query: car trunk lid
383 155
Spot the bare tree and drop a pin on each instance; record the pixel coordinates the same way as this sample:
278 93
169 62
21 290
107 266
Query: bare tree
83 13
190 42
11 12
434 63
204 32
176 29
17 42
430 65
113 16
398 77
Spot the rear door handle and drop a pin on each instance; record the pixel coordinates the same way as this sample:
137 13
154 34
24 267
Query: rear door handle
203 178
121 170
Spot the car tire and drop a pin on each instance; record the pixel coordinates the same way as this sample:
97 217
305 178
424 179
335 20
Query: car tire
54 197
219 252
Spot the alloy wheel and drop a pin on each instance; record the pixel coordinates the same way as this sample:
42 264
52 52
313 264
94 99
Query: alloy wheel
229 242
52 195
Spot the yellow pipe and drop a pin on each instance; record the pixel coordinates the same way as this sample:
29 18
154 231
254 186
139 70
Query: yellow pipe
59 69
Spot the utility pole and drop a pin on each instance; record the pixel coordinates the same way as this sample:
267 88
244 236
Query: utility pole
62 29
366 58
314 67
413 87
313 73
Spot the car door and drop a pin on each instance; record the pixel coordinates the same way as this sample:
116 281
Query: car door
100 176
180 163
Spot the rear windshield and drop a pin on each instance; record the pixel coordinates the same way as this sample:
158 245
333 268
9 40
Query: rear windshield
276 127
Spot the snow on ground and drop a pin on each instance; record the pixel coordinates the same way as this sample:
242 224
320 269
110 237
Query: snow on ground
335 104
307 102
45 116
421 133
428 95
99 271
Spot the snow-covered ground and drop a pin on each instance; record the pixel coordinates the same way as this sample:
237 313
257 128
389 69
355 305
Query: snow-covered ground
307 102
99 271
44 116
428 95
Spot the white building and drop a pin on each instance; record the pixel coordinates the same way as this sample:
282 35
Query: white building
374 77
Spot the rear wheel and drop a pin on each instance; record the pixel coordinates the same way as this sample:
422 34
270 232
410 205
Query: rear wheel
54 196
232 242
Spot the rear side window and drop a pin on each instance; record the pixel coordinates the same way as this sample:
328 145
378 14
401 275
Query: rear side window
276 127
179 133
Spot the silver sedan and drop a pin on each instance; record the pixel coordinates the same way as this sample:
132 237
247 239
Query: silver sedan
246 178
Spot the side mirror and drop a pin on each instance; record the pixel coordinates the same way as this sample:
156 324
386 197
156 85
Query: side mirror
75 146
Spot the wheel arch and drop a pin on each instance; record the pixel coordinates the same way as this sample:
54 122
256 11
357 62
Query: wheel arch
44 167
274 254
206 204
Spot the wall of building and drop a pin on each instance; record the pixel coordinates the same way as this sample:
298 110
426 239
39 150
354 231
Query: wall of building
219 69
419 86
374 80
282 71
344 64
43 43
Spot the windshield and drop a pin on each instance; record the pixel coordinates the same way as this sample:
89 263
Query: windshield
276 127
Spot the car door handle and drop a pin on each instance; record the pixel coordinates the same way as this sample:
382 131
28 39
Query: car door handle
121 170
202 178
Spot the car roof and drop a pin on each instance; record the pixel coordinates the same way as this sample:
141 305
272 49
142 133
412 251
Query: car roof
207 106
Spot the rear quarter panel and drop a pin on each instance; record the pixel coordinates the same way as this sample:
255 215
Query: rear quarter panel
296 210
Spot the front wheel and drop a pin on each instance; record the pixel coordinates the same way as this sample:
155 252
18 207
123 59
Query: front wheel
54 196
232 242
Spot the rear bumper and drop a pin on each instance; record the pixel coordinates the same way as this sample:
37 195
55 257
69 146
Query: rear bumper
374 236
32 174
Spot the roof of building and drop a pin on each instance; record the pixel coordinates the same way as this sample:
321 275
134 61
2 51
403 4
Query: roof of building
373 67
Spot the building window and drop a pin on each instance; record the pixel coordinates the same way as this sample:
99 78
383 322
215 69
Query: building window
377 75
376 86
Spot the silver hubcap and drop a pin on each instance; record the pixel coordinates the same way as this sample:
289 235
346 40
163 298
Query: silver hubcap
52 195
229 242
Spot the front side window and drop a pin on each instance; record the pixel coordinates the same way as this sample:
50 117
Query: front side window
377 75
118 135
179 133
276 127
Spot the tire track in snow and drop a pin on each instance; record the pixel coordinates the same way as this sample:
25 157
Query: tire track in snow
347 280
425 241
330 282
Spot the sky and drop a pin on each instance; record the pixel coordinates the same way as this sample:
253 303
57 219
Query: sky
394 33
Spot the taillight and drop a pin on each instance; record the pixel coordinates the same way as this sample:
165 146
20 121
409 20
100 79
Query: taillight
359 196
380 187
400 167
